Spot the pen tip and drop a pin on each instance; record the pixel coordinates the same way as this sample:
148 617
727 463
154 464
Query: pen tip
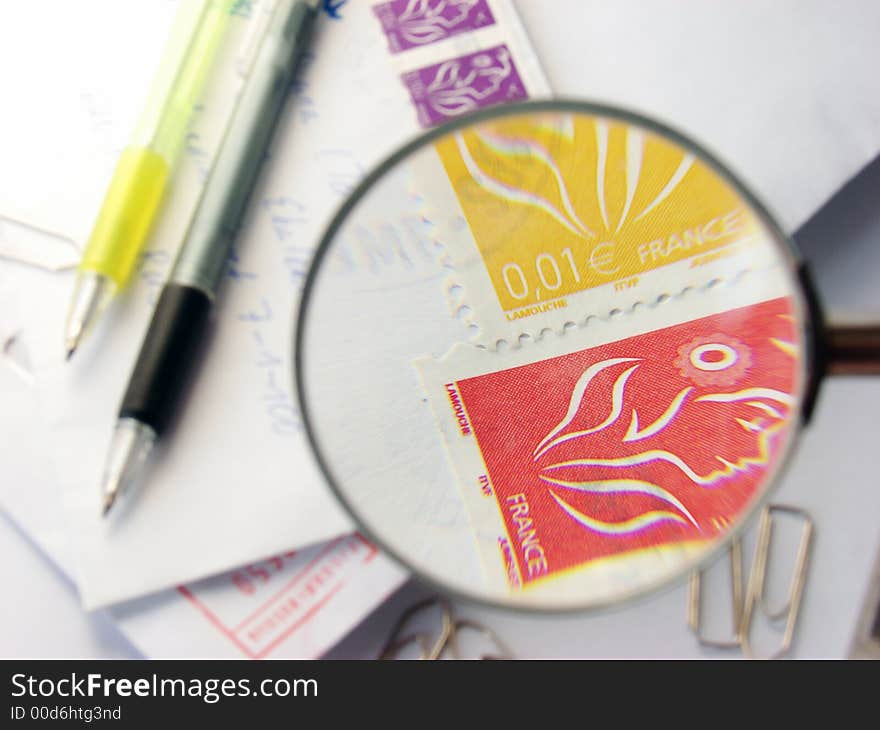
71 341
109 499
91 293
132 441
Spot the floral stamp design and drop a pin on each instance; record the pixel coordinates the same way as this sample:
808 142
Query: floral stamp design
415 23
464 84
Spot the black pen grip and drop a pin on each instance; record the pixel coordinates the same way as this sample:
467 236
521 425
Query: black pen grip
166 355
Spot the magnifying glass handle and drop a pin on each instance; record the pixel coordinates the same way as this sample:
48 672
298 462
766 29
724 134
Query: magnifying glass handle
853 350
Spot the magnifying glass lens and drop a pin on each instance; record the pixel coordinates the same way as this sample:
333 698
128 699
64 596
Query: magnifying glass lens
552 357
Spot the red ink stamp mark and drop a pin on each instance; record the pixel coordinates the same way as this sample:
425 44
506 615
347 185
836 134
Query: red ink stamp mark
278 596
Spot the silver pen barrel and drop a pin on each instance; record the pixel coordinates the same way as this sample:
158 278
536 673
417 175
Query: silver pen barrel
201 261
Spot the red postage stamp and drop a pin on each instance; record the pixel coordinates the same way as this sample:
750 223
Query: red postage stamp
659 441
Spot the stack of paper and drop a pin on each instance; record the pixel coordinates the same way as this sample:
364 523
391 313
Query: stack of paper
234 546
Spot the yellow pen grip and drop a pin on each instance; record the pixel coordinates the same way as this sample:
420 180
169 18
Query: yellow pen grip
126 215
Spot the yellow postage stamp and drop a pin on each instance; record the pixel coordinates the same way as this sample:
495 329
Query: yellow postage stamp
553 219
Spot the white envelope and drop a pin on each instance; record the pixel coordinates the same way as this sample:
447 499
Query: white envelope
235 481
295 605
785 91
76 76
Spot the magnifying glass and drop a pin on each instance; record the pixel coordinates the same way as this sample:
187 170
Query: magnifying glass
555 355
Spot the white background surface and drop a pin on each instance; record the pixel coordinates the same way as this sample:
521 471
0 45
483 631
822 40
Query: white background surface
582 46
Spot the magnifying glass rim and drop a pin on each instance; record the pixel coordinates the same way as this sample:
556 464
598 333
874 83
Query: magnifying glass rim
803 291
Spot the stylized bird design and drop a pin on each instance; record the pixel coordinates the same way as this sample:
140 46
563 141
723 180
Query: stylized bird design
458 88
653 442
427 21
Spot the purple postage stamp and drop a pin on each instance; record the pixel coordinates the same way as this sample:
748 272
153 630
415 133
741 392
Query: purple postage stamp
413 23
464 84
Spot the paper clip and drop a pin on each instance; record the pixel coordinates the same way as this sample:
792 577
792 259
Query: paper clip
758 575
694 610
429 650
866 642
8 357
447 641
35 261
394 649
467 625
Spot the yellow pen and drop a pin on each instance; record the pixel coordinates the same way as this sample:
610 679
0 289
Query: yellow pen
145 166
